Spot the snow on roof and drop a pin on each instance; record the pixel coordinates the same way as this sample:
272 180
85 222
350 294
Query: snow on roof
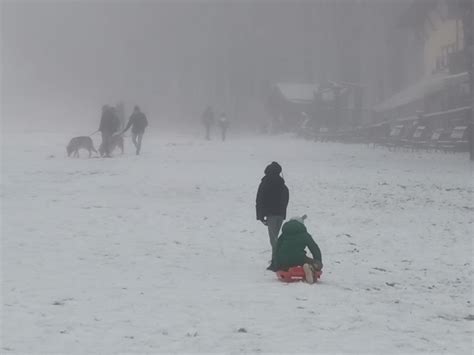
298 93
447 112
419 90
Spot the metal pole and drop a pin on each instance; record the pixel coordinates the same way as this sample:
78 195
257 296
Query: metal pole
469 48
307 41
467 16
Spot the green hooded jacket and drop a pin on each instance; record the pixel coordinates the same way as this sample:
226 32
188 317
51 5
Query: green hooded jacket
290 250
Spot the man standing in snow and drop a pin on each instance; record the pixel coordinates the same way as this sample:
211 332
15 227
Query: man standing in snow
272 201
109 124
138 122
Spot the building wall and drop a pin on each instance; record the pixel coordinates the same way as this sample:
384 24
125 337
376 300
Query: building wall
443 36
396 61
438 33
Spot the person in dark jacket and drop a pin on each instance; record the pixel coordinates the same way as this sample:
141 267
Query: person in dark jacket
271 203
109 124
138 122
208 121
290 249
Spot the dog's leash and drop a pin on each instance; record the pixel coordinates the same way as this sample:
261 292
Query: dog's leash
93 133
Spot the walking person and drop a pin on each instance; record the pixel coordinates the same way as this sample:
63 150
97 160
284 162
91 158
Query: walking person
271 204
138 122
223 124
109 124
208 121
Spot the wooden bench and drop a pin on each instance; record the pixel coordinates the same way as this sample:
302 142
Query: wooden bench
394 138
418 139
432 142
323 135
457 141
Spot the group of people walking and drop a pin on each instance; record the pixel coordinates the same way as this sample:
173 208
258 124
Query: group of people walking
110 125
209 120
288 249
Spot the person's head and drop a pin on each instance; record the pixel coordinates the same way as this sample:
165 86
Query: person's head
105 108
136 109
299 219
273 169
294 226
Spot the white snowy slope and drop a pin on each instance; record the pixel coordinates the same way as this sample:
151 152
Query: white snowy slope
162 252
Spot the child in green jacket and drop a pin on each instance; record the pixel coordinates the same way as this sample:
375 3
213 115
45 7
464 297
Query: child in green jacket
291 245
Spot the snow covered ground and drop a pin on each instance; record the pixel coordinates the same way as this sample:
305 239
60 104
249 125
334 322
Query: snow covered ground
162 252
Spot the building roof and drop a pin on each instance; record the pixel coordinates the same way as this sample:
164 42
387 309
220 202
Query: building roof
298 93
421 89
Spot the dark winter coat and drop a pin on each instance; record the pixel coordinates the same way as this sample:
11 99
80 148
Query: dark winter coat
272 195
138 122
290 249
109 122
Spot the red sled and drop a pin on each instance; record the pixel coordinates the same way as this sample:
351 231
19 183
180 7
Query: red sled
294 274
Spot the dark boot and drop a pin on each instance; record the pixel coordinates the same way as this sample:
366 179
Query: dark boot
272 266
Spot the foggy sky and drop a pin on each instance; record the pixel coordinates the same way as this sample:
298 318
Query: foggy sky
173 58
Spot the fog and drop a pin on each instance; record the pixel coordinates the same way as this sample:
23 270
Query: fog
303 185
62 60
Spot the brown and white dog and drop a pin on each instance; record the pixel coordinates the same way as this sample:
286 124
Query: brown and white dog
78 143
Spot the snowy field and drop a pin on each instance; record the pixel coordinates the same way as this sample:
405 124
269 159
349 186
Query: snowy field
162 253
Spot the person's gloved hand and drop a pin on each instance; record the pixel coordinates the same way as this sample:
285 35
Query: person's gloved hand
264 221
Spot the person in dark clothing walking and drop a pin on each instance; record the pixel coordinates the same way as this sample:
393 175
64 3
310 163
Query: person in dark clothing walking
208 121
109 124
271 203
138 122
290 249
